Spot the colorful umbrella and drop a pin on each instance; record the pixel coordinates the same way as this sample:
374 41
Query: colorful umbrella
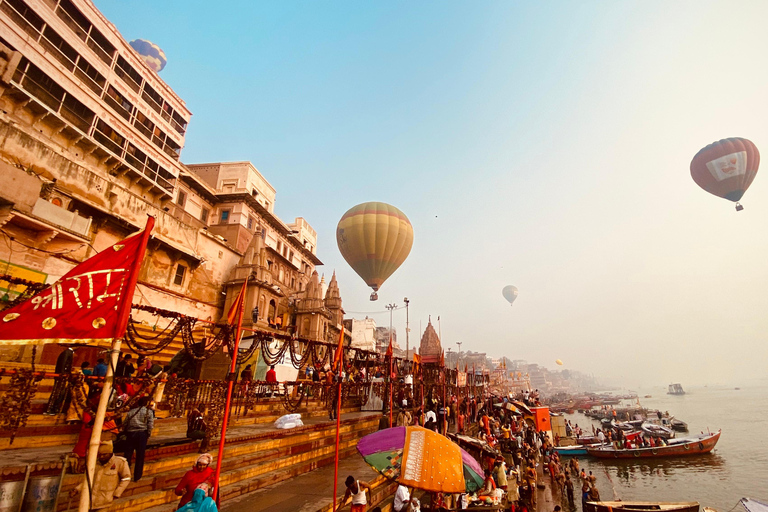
421 459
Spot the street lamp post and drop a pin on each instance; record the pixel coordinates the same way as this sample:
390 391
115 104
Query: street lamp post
458 356
391 308
407 327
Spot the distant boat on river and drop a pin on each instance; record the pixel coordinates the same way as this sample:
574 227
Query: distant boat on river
675 389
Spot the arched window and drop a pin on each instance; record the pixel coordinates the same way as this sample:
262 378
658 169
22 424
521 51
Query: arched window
272 311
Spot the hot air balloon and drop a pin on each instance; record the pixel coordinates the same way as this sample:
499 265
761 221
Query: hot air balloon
558 361
726 168
153 56
509 293
375 239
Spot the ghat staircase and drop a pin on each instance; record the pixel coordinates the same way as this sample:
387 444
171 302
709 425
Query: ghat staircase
256 454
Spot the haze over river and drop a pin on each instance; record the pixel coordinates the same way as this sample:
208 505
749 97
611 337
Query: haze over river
737 468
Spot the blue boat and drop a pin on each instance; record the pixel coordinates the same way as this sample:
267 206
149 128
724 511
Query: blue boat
579 450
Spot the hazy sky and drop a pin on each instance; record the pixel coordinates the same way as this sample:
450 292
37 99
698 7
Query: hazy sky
541 144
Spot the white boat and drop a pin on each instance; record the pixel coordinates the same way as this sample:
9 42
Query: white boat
675 389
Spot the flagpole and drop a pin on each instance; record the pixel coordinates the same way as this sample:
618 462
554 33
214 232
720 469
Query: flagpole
338 359
390 384
230 385
336 459
106 391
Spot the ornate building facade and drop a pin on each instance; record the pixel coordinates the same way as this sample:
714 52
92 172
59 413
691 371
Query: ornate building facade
90 144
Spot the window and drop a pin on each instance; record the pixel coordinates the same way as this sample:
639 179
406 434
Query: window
254 193
181 199
204 215
178 279
279 246
118 102
251 222
290 256
225 216
130 76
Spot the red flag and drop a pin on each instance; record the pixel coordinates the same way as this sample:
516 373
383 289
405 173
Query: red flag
465 368
339 357
389 348
237 305
90 303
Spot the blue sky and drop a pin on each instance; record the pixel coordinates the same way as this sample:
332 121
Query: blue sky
545 145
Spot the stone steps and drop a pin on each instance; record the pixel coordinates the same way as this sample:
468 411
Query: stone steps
250 462
46 430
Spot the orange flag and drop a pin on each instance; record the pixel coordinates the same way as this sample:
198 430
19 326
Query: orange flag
339 351
389 348
416 362
442 358
237 305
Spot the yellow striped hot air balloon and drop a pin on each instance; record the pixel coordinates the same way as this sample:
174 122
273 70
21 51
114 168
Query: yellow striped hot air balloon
375 239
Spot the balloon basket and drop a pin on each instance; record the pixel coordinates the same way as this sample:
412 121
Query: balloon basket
374 296
739 207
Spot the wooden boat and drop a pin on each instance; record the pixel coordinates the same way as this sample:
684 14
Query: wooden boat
641 506
657 430
592 441
678 425
703 443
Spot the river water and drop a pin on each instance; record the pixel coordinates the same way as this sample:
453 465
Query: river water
737 468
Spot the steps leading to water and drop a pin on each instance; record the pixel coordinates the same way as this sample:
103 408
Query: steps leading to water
250 462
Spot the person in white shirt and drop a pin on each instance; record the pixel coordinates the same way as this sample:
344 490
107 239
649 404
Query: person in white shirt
402 499
356 489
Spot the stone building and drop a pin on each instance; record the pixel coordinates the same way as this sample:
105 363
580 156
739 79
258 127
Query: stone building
90 144
430 348
363 333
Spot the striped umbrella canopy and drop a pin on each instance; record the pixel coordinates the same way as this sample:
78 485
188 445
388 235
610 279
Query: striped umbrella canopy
421 459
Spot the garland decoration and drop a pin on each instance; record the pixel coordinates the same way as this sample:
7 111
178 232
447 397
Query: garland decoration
16 403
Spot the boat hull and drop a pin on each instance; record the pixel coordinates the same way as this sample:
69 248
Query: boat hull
698 446
640 506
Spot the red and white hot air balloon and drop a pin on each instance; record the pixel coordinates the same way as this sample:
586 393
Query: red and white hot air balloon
726 168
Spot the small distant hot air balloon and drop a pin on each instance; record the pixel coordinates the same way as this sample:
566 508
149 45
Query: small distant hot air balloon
375 239
558 361
153 56
726 168
509 293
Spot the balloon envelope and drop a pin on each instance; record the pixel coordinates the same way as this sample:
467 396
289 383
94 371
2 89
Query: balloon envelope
153 56
559 362
726 168
375 239
509 293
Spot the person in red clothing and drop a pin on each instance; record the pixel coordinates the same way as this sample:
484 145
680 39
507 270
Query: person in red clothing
272 379
200 476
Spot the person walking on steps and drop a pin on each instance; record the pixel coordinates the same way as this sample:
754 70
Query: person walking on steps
138 425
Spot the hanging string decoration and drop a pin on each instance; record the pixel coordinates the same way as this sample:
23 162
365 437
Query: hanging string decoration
30 288
294 394
16 403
